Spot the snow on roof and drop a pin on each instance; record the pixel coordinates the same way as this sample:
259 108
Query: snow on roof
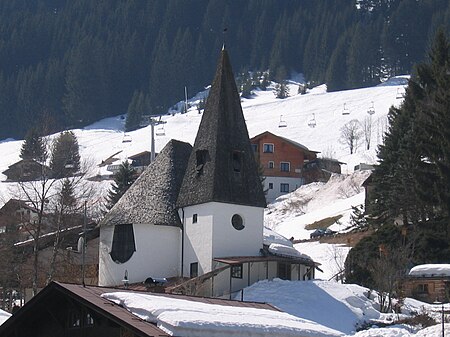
271 236
283 250
430 270
187 318
4 316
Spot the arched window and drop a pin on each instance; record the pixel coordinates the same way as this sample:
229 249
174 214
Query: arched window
123 245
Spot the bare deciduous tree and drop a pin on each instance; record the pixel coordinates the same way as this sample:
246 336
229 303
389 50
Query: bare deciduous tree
45 196
351 134
367 131
337 254
386 273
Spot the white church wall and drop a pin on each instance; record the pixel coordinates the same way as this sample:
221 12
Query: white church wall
157 255
227 241
197 238
213 235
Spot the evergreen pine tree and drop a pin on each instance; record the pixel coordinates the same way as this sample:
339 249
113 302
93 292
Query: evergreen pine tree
123 179
246 86
67 198
33 146
65 156
412 180
433 116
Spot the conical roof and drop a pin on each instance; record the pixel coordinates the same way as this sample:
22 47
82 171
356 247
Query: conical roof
222 166
152 197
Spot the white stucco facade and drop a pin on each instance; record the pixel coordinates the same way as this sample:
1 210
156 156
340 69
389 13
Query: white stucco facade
272 186
158 251
214 236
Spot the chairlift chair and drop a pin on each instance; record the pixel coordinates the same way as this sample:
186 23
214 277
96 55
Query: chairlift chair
371 110
400 94
345 111
282 123
126 138
312 122
160 131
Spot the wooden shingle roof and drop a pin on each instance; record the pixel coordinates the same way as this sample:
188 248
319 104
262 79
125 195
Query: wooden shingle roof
222 167
152 197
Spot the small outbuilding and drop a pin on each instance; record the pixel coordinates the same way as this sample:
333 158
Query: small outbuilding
428 283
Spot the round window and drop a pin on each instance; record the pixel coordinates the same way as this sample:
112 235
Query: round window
237 222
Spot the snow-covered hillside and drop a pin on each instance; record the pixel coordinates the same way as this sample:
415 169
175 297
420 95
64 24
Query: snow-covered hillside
342 307
263 112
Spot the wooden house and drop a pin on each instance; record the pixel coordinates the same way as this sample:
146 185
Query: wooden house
140 160
15 216
320 169
26 170
281 161
428 283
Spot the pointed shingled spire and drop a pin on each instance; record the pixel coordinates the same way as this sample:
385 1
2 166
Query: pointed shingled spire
222 166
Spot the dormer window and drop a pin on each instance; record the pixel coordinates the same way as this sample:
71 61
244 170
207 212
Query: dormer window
201 156
237 161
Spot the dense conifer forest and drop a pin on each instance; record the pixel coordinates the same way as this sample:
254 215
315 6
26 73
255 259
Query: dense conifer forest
69 63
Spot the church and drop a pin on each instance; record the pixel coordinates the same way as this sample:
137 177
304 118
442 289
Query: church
196 214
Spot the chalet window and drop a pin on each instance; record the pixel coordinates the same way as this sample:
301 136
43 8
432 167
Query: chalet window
237 161
422 288
284 271
201 157
75 319
271 164
236 271
193 272
194 218
89 320
284 188
270 186
255 148
123 245
285 166
267 148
